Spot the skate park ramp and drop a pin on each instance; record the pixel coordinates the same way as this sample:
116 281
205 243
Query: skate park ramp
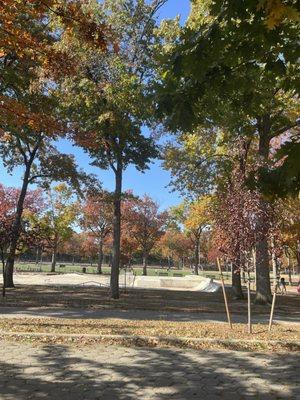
188 282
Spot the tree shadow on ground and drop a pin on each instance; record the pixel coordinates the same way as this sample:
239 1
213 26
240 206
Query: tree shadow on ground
109 372
141 304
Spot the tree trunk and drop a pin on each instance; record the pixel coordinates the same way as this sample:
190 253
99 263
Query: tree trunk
290 270
3 270
54 259
197 256
274 263
263 284
114 277
15 233
298 257
145 262
100 258
37 256
236 279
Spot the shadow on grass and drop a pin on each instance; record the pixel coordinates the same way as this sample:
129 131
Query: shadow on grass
90 302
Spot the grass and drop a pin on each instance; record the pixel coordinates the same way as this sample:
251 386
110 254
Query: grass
142 331
152 270
117 326
150 334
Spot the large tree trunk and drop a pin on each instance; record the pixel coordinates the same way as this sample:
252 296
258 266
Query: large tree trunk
54 259
145 263
263 285
15 233
100 258
236 279
114 277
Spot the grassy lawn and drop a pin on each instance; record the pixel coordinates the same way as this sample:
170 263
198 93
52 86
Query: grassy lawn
117 326
152 270
147 331
150 334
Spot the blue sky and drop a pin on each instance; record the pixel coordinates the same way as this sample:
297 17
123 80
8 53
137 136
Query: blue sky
154 180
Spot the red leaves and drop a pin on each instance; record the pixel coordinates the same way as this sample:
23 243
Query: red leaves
8 201
238 218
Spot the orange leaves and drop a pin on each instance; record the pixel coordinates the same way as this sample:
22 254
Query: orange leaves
16 114
32 40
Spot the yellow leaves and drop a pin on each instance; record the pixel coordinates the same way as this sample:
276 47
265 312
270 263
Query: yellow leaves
199 213
277 11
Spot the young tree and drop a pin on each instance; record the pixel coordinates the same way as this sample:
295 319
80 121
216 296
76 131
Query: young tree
195 217
236 217
97 220
176 246
73 246
57 221
143 221
110 101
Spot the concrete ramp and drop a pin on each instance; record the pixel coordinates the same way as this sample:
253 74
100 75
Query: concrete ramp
189 282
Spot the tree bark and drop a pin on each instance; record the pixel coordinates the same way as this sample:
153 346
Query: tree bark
197 255
15 234
37 255
263 284
114 277
298 257
236 279
145 263
100 258
54 259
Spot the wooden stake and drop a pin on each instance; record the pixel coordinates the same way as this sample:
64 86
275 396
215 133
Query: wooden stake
224 293
272 311
249 305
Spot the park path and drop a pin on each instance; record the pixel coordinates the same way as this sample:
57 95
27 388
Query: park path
116 373
80 313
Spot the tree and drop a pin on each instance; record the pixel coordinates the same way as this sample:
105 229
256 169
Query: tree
28 234
195 217
109 100
97 220
237 215
230 71
288 212
198 220
57 221
30 120
74 246
176 246
143 221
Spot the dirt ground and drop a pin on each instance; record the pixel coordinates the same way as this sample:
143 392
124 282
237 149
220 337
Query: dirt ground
94 298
